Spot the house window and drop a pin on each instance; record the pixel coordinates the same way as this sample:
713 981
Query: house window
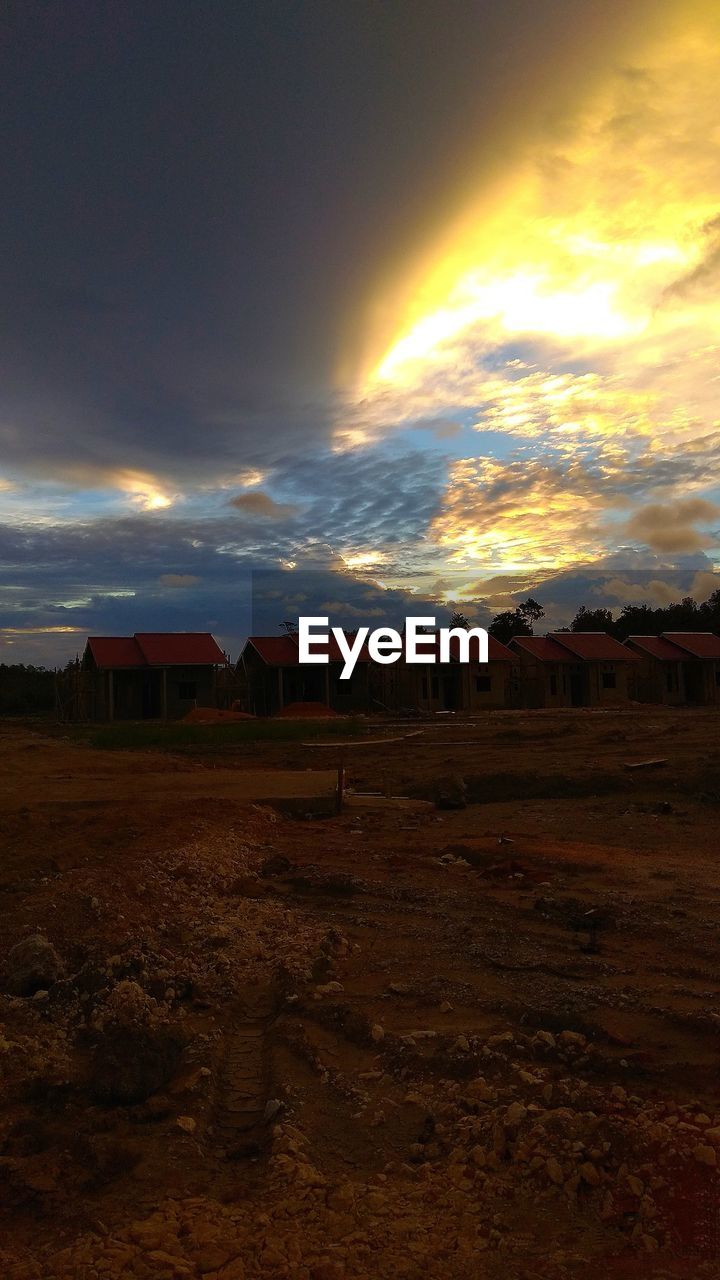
424 686
608 680
553 682
483 684
436 686
187 690
671 680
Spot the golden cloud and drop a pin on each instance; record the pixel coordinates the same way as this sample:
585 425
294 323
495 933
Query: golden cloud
518 514
597 261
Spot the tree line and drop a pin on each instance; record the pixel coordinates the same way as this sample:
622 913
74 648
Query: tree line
25 690
632 620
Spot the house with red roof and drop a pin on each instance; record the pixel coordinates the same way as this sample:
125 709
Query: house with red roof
574 669
603 669
661 669
701 665
153 675
272 675
456 685
545 671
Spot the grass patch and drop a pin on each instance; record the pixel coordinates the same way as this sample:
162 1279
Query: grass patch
134 736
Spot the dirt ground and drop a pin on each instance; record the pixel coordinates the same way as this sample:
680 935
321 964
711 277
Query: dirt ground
402 1041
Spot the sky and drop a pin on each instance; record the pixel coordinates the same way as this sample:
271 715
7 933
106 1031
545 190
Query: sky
421 297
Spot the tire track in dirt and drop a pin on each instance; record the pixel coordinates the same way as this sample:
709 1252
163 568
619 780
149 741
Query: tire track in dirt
244 1083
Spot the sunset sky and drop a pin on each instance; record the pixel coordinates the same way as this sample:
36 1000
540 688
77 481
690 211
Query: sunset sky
420 295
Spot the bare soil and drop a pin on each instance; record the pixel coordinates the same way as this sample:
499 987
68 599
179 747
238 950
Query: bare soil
403 1041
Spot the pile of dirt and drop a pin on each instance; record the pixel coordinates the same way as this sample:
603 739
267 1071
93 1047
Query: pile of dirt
212 715
307 711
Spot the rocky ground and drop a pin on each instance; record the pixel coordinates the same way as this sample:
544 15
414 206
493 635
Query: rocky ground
475 1041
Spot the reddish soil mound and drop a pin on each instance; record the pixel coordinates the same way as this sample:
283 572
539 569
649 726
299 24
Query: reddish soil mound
211 715
307 711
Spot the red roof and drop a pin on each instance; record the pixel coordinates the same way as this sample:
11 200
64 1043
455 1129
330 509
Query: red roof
544 648
115 651
700 644
179 649
657 647
282 651
156 649
594 646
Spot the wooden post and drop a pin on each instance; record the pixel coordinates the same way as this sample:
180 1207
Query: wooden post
327 685
281 696
164 693
111 697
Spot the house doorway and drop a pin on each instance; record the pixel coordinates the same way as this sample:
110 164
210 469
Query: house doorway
577 688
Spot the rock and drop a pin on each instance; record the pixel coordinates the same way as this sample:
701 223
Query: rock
545 1038
33 965
479 1090
589 1174
515 1113
705 1155
341 1197
446 1007
377 1033
234 1270
505 1039
327 989
186 1123
450 792
572 1039
462 1044
554 1171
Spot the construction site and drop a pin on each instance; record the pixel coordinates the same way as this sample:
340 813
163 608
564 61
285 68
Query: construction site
362 1000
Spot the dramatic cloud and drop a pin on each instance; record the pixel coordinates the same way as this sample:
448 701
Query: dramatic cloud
571 317
671 528
361 289
518 513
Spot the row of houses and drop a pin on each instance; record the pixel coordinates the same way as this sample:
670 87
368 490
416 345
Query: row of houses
164 675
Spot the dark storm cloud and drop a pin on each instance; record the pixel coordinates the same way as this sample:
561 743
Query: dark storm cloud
139 574
198 199
193 570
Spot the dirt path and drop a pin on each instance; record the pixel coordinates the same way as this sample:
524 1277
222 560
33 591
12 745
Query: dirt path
430 1044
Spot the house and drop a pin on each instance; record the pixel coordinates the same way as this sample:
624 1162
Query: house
273 675
148 676
456 685
601 674
660 672
701 665
546 671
